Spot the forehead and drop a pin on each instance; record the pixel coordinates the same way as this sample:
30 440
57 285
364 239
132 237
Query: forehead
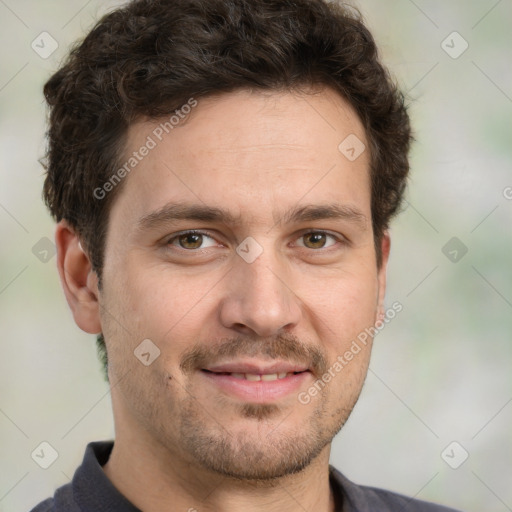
248 152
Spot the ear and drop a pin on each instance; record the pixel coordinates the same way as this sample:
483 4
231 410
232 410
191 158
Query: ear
385 247
79 281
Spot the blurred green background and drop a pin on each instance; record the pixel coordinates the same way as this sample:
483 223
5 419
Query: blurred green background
440 371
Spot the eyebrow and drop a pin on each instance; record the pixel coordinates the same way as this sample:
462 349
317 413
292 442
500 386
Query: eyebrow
312 212
172 212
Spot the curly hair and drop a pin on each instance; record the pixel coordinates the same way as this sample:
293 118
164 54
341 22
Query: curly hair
149 57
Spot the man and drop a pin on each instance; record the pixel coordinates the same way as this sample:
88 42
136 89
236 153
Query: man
223 174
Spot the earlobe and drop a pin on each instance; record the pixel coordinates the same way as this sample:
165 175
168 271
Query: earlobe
79 281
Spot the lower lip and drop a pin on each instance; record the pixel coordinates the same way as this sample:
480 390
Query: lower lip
259 391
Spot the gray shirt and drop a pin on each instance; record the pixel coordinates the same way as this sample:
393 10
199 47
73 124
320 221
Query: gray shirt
91 491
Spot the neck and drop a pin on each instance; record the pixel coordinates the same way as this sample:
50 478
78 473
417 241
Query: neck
137 463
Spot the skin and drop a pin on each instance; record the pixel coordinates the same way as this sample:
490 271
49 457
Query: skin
304 299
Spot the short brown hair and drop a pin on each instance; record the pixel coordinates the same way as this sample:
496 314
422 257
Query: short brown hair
151 56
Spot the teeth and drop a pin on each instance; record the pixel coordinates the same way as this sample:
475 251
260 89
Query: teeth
256 377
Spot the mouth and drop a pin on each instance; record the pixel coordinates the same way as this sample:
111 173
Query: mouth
255 382
255 377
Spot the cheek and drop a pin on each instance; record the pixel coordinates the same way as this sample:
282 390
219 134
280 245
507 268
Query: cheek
346 337
347 304
345 332
164 305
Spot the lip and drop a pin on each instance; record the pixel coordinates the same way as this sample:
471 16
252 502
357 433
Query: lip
257 392
259 368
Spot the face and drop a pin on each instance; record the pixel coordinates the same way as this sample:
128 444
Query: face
242 248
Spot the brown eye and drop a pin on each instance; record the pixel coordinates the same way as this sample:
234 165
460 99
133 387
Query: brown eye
318 240
315 240
190 240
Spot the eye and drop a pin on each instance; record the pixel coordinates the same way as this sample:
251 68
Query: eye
191 240
317 240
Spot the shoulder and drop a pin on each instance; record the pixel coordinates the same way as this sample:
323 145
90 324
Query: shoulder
45 506
383 500
360 498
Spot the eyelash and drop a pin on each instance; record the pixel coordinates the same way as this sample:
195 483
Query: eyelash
169 241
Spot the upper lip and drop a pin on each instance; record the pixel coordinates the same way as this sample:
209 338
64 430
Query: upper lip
257 368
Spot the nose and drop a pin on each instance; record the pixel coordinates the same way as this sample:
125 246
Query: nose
259 299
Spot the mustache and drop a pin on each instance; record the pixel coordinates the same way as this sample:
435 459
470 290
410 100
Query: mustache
286 347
